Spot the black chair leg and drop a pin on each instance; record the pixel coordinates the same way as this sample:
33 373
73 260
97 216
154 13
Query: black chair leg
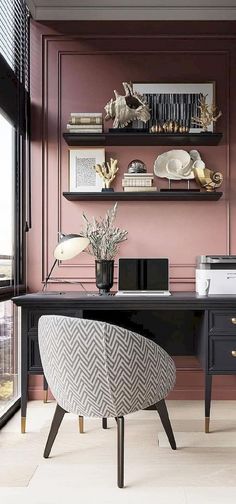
163 413
120 451
104 423
56 422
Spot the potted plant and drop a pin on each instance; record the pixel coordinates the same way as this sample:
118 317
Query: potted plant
105 239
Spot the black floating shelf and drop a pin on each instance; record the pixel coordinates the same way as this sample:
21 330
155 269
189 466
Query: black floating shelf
103 139
143 196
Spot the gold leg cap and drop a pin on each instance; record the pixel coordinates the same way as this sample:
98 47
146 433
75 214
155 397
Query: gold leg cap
81 424
45 396
207 425
23 425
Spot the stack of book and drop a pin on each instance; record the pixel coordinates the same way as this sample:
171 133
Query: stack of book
138 182
85 122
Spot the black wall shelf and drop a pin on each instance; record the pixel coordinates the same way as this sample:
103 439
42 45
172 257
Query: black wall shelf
103 139
143 196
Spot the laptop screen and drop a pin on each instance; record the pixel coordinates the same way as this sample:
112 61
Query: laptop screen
143 274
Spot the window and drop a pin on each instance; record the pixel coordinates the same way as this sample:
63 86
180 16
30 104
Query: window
14 186
9 383
6 202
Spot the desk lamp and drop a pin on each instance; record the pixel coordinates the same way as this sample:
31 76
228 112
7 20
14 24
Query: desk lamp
68 247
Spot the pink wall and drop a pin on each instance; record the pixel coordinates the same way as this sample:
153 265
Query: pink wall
75 67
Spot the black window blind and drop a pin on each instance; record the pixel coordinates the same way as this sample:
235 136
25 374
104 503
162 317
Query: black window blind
14 60
15 105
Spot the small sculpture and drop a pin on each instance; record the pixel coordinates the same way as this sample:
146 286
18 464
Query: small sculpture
207 114
208 179
137 166
127 108
196 160
169 127
174 165
107 172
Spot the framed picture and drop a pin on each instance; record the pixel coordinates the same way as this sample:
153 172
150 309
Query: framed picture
177 102
82 175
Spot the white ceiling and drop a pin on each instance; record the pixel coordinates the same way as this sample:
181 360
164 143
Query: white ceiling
115 10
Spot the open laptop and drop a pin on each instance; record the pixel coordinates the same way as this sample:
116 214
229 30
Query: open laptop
143 276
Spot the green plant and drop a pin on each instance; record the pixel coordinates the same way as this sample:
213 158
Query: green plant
104 237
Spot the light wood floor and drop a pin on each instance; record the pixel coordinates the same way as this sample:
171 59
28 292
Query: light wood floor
82 468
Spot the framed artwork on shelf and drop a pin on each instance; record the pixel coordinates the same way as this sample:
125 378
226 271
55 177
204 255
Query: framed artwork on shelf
175 102
82 175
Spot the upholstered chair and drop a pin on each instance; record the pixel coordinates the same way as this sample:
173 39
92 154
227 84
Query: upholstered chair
97 369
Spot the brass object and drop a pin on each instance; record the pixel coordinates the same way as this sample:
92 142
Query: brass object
107 172
207 425
81 424
208 179
126 108
233 353
233 320
45 396
208 114
169 127
23 425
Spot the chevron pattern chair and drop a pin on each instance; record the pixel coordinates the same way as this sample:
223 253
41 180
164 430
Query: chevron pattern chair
97 369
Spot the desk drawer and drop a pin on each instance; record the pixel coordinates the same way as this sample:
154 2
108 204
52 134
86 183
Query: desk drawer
222 353
34 315
222 322
34 360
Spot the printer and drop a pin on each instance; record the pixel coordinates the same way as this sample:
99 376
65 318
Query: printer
220 270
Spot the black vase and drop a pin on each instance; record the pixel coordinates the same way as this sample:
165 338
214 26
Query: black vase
104 270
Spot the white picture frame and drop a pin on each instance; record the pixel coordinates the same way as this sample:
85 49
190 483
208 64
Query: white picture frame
82 175
205 88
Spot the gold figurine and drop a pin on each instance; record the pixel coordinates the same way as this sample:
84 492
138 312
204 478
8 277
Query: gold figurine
107 172
169 127
208 179
208 114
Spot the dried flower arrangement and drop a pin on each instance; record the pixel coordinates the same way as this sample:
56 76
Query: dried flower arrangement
104 237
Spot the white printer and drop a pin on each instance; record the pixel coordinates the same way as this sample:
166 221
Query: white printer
220 270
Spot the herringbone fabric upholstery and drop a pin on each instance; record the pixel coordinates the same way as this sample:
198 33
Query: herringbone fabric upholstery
98 369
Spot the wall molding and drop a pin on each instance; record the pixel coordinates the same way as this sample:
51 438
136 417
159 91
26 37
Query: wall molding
98 10
185 276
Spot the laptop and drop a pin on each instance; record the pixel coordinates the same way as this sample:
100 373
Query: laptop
143 277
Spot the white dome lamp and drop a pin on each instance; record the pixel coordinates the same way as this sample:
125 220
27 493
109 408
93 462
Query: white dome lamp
69 246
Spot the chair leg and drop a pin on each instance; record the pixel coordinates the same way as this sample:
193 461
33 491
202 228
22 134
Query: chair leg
45 390
81 424
104 423
120 451
163 413
56 422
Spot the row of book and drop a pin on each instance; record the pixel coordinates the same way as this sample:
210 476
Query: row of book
85 122
138 182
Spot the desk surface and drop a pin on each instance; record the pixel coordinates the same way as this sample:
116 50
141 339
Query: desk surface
93 301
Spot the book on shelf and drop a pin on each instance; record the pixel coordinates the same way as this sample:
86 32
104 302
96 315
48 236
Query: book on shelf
140 182
86 114
84 126
85 120
136 175
140 189
82 132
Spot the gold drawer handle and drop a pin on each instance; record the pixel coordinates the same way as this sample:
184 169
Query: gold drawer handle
233 353
233 320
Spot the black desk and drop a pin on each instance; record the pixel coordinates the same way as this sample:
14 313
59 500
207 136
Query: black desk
215 327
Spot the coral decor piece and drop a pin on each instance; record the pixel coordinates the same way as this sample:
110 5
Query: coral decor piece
208 114
107 172
104 237
126 108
